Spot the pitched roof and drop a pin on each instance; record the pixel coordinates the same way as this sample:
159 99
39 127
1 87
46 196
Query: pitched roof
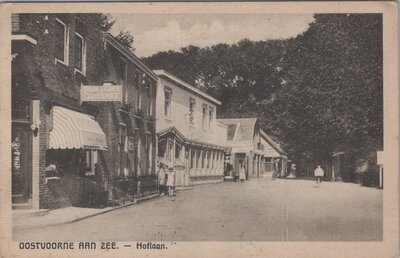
274 145
187 86
176 132
244 127
128 54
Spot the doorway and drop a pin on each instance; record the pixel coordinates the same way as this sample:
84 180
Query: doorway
21 159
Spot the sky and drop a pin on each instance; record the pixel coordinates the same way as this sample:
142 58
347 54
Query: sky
163 32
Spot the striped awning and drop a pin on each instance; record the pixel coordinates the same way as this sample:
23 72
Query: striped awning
75 130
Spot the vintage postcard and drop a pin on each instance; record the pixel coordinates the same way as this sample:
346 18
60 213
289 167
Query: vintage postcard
199 129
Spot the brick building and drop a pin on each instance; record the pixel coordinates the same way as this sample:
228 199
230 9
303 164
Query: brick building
64 151
130 129
189 137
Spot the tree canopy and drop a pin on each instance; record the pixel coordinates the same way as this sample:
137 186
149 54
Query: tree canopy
317 93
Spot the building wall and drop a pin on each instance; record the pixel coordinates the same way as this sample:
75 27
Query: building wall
201 162
56 83
136 175
180 115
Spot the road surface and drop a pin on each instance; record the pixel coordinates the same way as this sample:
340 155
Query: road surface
256 210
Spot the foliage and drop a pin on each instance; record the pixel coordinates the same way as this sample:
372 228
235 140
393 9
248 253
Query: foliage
106 21
318 93
125 37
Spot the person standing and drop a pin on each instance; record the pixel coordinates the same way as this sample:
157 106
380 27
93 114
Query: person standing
161 179
242 173
171 181
319 173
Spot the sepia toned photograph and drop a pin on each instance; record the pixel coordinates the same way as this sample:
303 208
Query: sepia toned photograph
156 129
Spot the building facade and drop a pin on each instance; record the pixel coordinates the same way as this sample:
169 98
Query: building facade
275 159
65 151
189 136
129 125
247 150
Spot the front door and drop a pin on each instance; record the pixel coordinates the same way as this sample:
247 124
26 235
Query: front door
21 155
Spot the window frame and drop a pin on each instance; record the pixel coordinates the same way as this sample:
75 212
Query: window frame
150 100
204 117
192 101
169 101
66 43
210 118
83 71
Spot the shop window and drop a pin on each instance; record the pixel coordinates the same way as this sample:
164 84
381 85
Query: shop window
167 102
61 41
78 161
80 53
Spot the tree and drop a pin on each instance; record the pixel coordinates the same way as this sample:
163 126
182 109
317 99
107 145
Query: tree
319 92
106 21
125 37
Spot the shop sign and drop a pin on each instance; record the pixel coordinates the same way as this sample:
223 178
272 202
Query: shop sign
91 93
16 155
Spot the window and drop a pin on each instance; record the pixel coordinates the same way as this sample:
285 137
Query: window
80 53
131 143
192 156
203 159
198 158
192 104
208 159
167 102
148 151
168 152
150 102
138 87
61 41
122 74
177 150
210 118
89 161
204 120
137 146
162 144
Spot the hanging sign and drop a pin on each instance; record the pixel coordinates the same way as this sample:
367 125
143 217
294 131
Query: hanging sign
110 92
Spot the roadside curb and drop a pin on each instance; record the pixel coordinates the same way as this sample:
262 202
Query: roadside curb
136 201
